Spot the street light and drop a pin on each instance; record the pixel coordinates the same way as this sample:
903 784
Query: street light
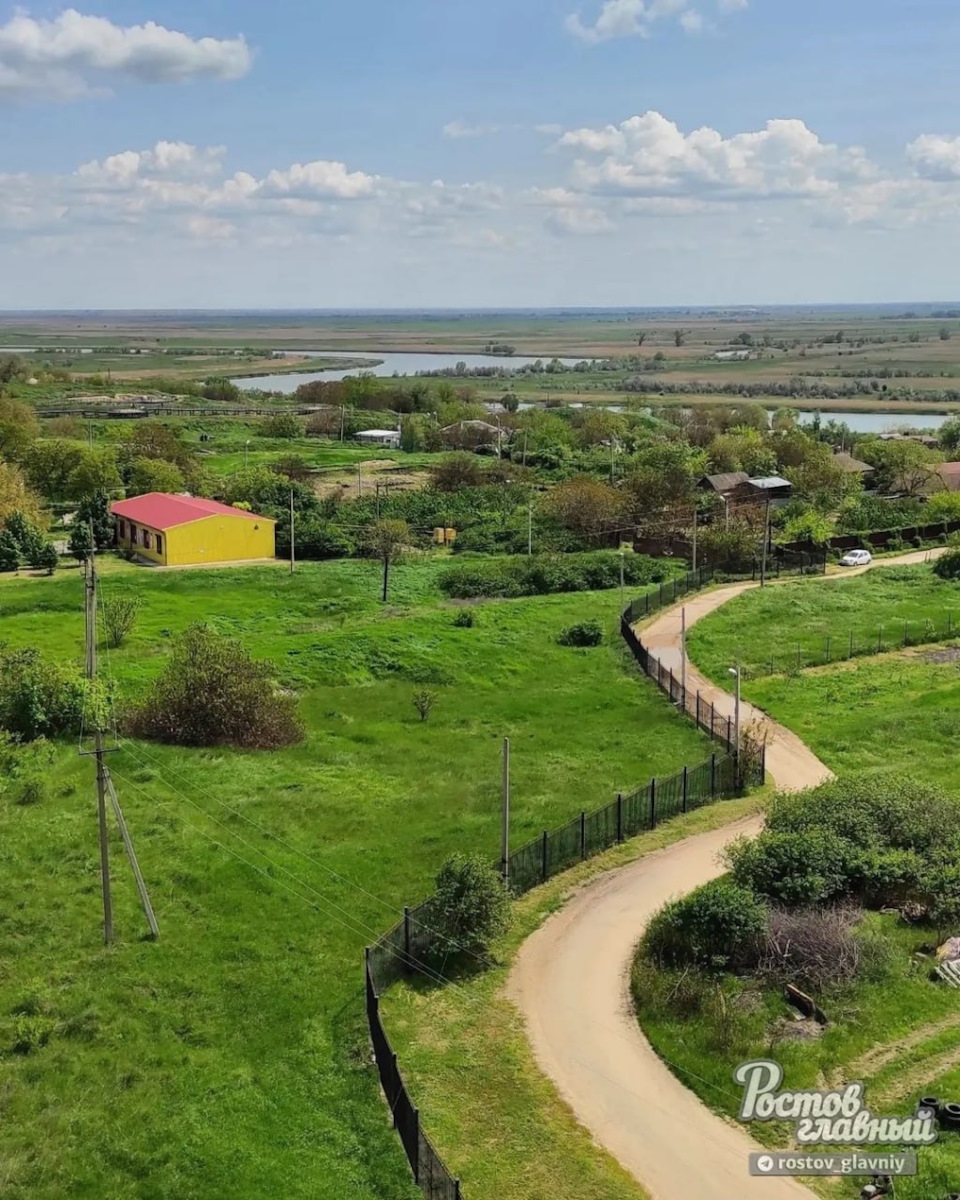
246 449
735 672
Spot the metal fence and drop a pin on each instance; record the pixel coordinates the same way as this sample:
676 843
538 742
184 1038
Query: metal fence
411 945
840 646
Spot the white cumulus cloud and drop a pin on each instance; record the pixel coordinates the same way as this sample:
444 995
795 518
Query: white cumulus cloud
636 18
74 54
935 157
650 155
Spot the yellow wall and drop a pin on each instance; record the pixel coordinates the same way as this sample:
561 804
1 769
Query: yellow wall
212 539
138 547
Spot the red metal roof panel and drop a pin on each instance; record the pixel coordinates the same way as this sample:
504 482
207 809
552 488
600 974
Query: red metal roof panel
161 511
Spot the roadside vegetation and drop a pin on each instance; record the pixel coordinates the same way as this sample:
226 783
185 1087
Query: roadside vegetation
844 896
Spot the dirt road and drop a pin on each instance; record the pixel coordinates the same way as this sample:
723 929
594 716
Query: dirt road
571 983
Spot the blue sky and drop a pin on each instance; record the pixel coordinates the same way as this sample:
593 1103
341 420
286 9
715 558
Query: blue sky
438 153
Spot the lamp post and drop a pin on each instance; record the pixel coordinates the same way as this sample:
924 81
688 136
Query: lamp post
246 453
735 672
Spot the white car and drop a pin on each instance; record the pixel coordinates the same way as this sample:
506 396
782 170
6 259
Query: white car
857 558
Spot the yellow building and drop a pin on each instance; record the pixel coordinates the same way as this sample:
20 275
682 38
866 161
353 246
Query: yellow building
177 531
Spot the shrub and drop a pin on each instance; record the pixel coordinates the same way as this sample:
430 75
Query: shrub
423 702
470 908
542 574
792 868
212 693
80 543
120 616
282 425
38 698
464 619
947 565
317 539
589 633
717 927
31 1033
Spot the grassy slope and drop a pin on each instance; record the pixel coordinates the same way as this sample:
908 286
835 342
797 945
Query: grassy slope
765 626
894 712
230 1060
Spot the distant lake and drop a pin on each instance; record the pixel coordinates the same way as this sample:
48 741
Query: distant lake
879 422
401 363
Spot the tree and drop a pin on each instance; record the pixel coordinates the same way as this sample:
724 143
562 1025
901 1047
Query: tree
386 540
49 463
470 907
95 510
587 507
821 480
457 471
96 471
153 475
743 450
901 465
16 496
25 533
9 551
213 693
679 337
120 615
80 543
18 429
292 466
641 336
154 439
949 435
510 401
944 334
45 557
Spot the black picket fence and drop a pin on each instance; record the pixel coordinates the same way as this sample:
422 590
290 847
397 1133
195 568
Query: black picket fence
413 946
840 646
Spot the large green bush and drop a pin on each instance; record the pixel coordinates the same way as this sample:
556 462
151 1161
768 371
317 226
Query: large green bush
948 565
470 908
717 927
539 575
792 868
38 698
212 693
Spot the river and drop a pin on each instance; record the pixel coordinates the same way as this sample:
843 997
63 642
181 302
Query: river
400 363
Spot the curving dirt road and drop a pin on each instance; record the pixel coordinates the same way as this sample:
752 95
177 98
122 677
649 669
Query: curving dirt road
570 981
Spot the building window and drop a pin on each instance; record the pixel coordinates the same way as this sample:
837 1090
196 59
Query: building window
121 530
159 544
146 540
132 533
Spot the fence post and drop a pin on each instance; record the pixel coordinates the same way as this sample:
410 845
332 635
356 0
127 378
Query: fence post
653 803
583 835
713 776
406 938
729 739
619 818
698 707
544 856
671 685
713 720
685 789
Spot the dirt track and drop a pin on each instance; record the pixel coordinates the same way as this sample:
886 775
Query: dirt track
571 983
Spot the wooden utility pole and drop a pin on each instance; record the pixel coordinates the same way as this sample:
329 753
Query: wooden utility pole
91 647
104 782
505 816
293 538
766 542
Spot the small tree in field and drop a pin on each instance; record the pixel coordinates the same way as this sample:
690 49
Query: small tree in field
386 540
94 510
423 702
212 693
80 543
470 908
9 551
120 616
948 565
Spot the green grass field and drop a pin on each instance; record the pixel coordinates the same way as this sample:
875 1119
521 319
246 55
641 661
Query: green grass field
894 712
763 628
230 1059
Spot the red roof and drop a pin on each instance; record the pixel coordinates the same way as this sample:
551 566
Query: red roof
162 511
